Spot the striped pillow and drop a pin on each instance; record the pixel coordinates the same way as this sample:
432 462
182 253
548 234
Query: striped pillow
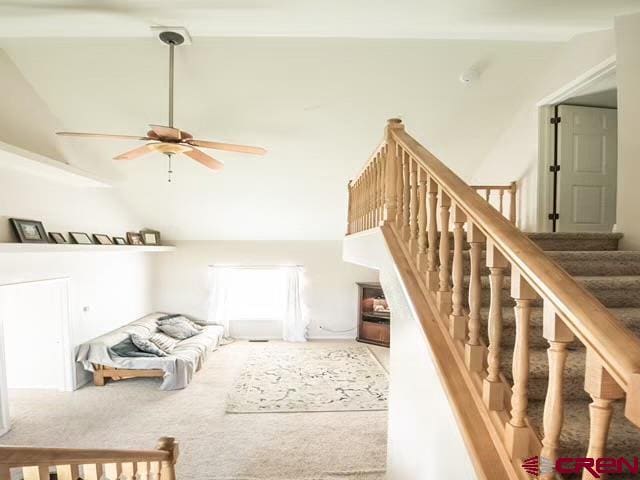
147 345
163 341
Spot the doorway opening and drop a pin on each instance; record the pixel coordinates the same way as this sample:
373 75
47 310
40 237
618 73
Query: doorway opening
35 345
578 147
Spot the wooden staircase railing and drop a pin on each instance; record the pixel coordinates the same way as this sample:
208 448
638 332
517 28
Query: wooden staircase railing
418 202
33 463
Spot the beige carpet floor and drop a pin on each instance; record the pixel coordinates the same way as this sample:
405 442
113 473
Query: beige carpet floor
214 445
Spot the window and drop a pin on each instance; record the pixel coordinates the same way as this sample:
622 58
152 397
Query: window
256 293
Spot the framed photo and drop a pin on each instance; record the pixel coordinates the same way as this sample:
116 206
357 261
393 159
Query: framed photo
150 237
29 231
134 238
57 237
102 239
119 241
80 238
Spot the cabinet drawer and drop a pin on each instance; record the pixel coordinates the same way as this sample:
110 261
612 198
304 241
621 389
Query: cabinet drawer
375 332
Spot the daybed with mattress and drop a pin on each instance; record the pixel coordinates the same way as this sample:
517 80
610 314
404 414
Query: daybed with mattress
106 357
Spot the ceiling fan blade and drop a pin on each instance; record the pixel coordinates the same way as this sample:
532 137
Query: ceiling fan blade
166 133
136 152
102 135
204 159
229 147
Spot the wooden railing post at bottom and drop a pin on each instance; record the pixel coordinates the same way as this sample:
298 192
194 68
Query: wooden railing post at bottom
559 337
603 390
167 469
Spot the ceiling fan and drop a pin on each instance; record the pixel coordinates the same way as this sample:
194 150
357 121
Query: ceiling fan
168 139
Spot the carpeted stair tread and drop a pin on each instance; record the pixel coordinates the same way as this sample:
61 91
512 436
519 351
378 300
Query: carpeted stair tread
583 263
630 317
612 291
624 437
576 241
539 373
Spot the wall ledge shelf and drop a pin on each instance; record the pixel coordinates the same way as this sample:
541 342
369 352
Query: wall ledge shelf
75 248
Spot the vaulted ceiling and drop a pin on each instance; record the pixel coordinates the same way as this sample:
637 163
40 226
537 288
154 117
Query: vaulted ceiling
488 19
318 105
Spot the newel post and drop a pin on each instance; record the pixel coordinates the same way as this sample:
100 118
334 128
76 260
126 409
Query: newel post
391 171
167 468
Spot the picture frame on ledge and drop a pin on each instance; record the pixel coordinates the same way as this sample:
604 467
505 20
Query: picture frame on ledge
102 239
120 241
57 237
134 238
29 231
80 238
150 237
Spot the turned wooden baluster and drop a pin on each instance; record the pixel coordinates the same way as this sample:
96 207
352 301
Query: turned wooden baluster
399 188
501 201
413 221
604 391
383 185
457 319
559 337
432 235
444 289
516 431
474 350
421 258
377 193
487 194
493 388
370 194
406 200
391 171
349 208
512 202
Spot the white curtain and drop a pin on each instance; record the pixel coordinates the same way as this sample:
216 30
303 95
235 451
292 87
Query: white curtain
219 285
295 321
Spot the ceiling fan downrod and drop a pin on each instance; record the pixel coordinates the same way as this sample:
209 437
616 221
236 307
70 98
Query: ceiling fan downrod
172 39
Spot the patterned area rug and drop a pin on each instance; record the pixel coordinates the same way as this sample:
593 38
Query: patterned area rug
310 378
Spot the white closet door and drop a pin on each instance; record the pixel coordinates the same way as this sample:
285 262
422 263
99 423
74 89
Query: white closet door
588 159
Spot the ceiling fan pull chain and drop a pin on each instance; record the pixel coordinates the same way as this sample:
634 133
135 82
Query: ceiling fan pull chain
169 172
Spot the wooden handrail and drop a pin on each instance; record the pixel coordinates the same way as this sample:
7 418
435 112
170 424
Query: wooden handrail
587 318
164 456
418 201
21 456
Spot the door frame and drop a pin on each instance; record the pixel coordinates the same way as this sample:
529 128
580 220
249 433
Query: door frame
68 365
546 134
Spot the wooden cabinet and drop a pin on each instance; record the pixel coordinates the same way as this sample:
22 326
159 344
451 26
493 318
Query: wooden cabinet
374 317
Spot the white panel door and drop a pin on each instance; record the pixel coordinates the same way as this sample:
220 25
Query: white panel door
588 159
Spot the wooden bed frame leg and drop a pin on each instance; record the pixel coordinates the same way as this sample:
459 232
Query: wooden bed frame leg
98 376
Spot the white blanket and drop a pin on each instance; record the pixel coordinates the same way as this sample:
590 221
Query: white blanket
179 367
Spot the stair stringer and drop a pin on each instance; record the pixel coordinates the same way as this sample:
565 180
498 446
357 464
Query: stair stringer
437 428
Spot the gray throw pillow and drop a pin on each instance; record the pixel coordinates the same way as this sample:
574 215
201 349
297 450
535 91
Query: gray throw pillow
164 342
126 348
147 345
177 320
179 330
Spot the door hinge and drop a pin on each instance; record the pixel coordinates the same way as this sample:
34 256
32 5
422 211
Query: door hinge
554 168
555 120
554 216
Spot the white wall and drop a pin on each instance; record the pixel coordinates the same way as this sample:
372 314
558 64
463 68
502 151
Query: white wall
115 287
424 440
628 77
182 282
514 154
